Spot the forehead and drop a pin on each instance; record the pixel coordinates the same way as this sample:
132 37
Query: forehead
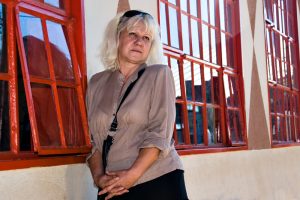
139 26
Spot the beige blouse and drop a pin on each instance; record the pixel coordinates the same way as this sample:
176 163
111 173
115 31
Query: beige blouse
145 119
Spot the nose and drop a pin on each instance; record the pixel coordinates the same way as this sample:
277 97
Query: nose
139 40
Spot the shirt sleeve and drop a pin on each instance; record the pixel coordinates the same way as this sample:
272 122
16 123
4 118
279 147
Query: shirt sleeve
88 101
162 113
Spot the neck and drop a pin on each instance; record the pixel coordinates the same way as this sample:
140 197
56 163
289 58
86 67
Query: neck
128 69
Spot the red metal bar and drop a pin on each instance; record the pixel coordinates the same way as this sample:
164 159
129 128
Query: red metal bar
13 87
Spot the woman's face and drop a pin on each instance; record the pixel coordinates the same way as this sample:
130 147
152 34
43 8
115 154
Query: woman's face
134 45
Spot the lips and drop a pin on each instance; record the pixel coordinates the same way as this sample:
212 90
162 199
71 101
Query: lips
136 50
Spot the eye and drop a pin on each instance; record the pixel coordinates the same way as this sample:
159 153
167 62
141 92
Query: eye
146 38
132 35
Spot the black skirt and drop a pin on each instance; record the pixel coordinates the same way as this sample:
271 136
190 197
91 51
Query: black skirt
170 186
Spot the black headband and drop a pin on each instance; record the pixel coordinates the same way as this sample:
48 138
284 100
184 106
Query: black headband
132 13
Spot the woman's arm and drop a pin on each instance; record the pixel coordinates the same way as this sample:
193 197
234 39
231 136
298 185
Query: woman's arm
100 178
127 178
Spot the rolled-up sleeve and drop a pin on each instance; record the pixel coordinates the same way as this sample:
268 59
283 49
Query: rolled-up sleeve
162 112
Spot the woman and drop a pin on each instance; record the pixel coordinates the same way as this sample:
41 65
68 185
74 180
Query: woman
141 162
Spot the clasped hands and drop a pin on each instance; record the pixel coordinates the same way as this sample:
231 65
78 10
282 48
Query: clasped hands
116 183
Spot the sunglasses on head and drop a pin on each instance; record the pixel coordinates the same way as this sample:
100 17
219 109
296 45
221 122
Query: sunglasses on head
132 13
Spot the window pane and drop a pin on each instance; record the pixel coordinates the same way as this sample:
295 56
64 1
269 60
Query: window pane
198 83
212 12
45 113
172 1
188 79
235 125
222 14
163 23
185 34
193 7
24 123
60 52
176 75
204 10
34 45
3 45
205 42
179 125
214 125
4 117
213 46
199 124
272 99
191 122
230 53
195 38
208 88
72 122
173 27
183 5
229 18
224 51
56 3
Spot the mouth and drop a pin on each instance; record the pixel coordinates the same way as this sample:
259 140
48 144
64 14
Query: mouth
137 51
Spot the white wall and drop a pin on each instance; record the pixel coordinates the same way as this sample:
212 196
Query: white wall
71 182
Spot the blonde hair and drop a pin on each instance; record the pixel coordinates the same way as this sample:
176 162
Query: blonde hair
110 44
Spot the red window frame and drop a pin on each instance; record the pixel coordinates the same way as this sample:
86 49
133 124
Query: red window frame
282 53
70 17
220 81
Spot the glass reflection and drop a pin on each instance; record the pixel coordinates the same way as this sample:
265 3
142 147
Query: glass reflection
222 14
173 27
232 129
208 84
213 46
34 45
213 123
193 8
179 123
56 3
46 116
24 123
60 52
4 117
224 49
172 1
204 10
191 122
163 23
176 75
195 38
72 122
187 70
205 42
197 83
199 124
3 45
212 12
183 5
185 34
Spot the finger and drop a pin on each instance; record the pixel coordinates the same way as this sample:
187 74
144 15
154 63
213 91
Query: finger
117 189
121 192
110 182
109 187
111 173
110 195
